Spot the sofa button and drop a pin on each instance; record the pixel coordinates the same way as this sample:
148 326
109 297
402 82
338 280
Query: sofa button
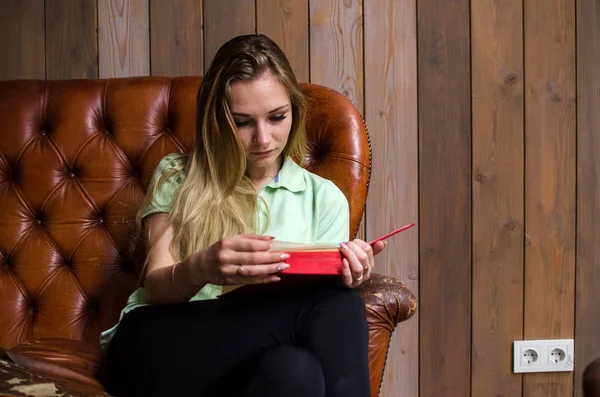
72 175
101 220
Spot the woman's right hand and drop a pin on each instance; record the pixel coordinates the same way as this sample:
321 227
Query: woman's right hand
241 259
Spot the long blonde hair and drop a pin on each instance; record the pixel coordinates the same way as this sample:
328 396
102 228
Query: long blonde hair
217 198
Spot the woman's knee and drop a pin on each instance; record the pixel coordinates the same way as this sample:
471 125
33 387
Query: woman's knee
291 371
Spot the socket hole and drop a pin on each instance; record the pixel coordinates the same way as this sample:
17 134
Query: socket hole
557 356
530 356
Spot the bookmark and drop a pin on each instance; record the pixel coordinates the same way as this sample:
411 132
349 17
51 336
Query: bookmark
392 233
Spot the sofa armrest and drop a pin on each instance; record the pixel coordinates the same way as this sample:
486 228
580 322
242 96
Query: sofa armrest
72 364
388 303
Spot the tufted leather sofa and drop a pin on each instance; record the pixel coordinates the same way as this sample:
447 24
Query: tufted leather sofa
75 160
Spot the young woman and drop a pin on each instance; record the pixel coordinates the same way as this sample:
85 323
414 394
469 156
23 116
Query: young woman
208 221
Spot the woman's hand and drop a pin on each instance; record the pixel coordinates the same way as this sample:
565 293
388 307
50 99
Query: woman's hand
359 260
240 259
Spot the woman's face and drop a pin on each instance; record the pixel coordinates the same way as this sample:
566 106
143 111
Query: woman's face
262 111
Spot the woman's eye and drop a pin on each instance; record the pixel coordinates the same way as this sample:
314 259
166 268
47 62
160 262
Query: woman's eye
278 117
242 123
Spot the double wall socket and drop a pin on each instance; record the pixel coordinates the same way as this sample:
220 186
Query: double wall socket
552 355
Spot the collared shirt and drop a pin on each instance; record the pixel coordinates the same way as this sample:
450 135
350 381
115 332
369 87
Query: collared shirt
297 206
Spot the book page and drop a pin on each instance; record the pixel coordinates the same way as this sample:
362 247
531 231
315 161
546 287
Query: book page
277 245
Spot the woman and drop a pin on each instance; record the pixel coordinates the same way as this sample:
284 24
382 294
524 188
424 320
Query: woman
208 221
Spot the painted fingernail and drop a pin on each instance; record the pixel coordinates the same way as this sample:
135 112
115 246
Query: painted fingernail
283 267
284 256
343 245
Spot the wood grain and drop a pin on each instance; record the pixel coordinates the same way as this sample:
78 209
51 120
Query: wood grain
391 113
587 298
445 198
336 53
123 38
224 20
22 40
71 39
286 22
550 188
498 188
336 47
176 38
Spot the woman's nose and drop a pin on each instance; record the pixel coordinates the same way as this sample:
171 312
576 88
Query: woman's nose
262 135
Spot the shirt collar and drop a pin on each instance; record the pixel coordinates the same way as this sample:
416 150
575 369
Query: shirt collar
290 176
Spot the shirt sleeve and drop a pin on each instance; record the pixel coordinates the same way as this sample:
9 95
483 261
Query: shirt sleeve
334 215
164 185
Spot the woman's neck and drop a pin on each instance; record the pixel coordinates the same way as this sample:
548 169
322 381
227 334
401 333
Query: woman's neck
263 176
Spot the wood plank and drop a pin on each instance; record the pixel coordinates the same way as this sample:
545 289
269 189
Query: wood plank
123 38
224 20
176 38
71 39
550 166
286 22
22 40
587 295
336 47
498 188
391 113
445 197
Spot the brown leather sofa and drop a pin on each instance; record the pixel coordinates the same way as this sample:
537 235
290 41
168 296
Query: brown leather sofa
75 160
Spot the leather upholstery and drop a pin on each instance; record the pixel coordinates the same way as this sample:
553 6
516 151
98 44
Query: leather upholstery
75 160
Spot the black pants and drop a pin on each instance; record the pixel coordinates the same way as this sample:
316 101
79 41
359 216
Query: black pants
304 342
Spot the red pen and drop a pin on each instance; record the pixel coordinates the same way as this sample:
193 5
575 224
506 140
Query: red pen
392 233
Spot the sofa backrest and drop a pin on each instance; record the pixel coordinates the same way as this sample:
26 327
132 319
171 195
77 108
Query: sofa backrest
76 157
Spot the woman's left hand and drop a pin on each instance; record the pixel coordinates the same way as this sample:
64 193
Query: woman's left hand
358 260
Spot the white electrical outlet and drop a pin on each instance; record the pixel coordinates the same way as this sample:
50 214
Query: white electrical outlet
552 355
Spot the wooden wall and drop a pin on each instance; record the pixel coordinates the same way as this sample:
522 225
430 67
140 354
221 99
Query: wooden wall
483 119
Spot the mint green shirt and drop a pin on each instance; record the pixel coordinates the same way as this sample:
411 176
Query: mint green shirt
302 208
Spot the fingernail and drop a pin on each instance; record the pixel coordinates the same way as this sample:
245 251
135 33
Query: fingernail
283 267
343 245
284 256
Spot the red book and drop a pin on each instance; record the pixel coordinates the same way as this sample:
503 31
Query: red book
318 259
306 260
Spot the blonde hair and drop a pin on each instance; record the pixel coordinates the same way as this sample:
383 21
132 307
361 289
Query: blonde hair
217 198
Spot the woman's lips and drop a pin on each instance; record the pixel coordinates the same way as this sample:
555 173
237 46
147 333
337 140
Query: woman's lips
262 154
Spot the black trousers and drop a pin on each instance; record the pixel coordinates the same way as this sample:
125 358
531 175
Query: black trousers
309 341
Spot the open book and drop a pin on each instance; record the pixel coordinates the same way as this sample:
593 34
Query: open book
318 260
